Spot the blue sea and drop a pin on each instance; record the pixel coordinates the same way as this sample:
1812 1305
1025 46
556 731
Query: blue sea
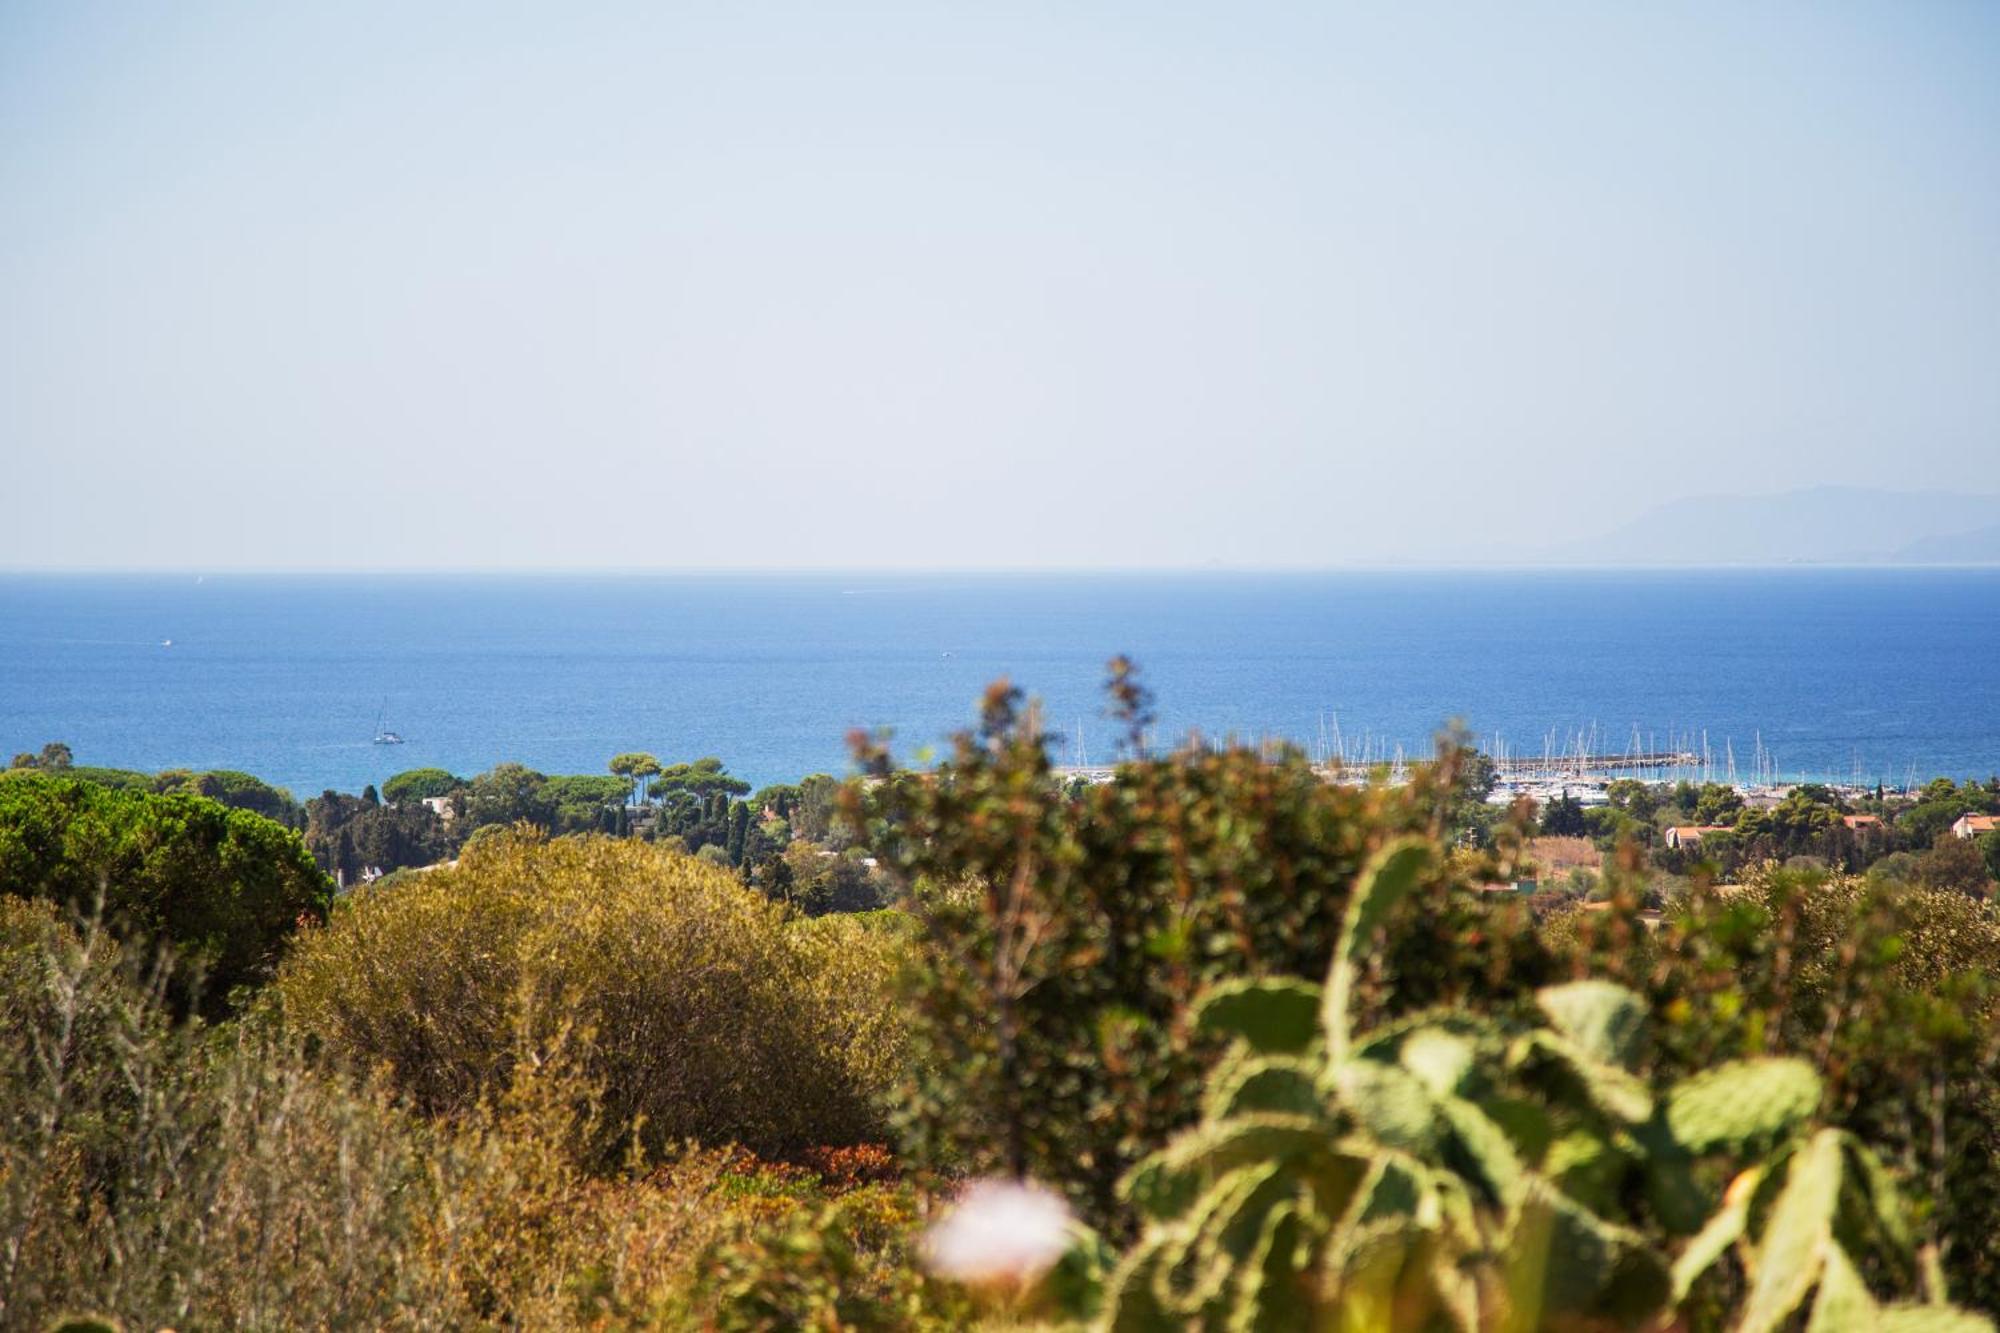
1850 674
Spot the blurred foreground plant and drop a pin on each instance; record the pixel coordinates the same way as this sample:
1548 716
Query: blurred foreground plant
1455 1170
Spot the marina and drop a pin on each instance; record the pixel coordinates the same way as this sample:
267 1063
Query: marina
1581 776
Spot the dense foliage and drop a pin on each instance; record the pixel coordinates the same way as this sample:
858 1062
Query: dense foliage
700 1010
1843 829
352 837
1068 935
240 791
223 887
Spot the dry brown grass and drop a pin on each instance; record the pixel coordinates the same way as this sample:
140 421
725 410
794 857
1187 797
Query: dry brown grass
192 1177
1554 858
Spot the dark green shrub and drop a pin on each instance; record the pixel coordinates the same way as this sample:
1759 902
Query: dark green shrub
222 887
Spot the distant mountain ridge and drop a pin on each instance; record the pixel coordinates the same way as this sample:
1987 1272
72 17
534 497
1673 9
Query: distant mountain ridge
1818 525
1978 547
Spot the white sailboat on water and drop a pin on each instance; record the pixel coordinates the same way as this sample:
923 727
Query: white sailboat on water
383 736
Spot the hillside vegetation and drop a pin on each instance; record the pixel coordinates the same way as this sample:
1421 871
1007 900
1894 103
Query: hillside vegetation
1255 1050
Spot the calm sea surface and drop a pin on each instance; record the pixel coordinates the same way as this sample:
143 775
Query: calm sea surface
1842 672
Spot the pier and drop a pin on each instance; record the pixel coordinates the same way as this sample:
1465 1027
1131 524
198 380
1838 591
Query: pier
1528 766
1512 766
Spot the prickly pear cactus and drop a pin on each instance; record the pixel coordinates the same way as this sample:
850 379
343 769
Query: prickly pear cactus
1741 1102
1447 1171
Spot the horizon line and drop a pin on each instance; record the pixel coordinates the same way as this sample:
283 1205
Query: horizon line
878 571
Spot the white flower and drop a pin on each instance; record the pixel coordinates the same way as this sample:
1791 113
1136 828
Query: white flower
1000 1232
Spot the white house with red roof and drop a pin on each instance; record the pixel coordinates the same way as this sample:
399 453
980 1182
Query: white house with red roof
1971 826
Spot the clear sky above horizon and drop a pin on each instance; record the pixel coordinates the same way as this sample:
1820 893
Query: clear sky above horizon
479 285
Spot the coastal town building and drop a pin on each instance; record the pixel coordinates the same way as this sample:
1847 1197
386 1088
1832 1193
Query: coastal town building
1690 835
1971 826
1861 822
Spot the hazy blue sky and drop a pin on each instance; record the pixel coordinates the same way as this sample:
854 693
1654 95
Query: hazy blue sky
741 284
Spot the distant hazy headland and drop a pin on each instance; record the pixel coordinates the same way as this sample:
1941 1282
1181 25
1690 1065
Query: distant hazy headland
1820 525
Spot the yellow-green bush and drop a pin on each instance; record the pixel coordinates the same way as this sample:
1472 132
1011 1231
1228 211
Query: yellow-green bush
705 1011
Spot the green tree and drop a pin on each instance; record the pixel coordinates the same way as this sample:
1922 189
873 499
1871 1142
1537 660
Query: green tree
1608 826
241 791
224 888
1818 793
350 836
1716 803
126 778
1939 806
1563 818
55 755
816 817
1895 868
704 779
1470 818
810 808
1989 852
508 794
1641 800
635 767
1956 864
586 803
418 784
1940 789
739 831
